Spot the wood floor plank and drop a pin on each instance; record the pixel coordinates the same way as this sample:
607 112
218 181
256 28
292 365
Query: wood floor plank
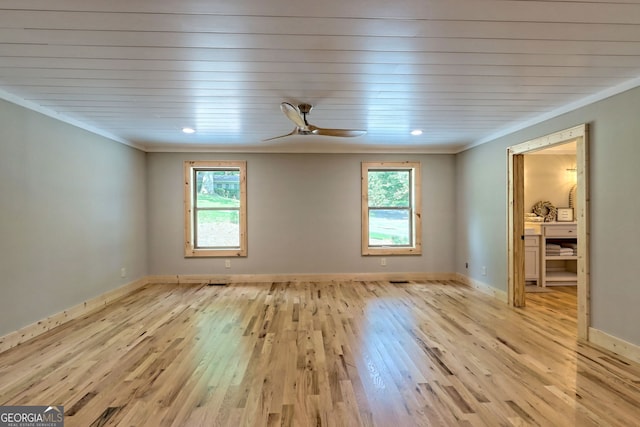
368 353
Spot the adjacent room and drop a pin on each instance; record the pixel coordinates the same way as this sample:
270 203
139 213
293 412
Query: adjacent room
320 213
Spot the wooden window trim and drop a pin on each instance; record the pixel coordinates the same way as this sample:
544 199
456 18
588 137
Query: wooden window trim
416 249
189 250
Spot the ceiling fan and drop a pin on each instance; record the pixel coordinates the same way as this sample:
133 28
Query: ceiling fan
298 115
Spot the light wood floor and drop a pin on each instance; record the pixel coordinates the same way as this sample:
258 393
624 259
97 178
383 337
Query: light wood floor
311 354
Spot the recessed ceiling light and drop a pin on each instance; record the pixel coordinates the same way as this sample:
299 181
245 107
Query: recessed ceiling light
188 130
416 132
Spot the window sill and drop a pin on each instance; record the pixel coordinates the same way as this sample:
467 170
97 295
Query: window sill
392 251
212 253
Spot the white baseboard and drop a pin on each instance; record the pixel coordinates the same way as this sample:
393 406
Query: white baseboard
30 331
614 344
483 287
258 278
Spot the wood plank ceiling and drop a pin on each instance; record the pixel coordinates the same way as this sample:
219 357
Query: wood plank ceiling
460 70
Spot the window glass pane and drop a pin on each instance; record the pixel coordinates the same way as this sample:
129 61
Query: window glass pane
389 188
217 228
217 188
215 208
389 227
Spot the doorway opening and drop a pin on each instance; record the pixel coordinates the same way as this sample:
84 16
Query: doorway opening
516 220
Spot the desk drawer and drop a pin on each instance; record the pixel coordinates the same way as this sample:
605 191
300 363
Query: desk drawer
561 231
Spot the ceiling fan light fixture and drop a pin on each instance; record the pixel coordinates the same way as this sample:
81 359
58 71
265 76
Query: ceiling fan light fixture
188 130
416 132
298 115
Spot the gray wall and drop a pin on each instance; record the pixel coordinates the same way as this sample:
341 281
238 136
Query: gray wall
72 214
303 215
615 233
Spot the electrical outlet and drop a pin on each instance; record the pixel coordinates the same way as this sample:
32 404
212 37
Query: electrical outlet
123 272
383 262
227 263
484 270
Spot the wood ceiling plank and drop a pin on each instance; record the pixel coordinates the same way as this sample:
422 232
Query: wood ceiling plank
303 42
17 64
274 25
195 55
539 11
201 89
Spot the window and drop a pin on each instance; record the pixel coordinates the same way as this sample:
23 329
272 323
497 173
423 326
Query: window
391 218
215 206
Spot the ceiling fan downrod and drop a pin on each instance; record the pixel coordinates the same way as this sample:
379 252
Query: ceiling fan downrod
304 110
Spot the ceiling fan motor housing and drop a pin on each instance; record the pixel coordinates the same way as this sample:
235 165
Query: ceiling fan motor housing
305 108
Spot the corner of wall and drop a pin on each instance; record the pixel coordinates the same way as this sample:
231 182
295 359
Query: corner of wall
485 288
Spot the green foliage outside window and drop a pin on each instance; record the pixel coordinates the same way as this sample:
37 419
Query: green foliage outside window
389 188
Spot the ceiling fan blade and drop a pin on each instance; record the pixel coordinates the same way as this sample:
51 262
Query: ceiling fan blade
296 131
293 114
345 133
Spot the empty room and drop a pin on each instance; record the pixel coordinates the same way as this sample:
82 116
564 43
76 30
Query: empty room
297 213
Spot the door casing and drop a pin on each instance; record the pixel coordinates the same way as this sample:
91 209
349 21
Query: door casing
515 231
